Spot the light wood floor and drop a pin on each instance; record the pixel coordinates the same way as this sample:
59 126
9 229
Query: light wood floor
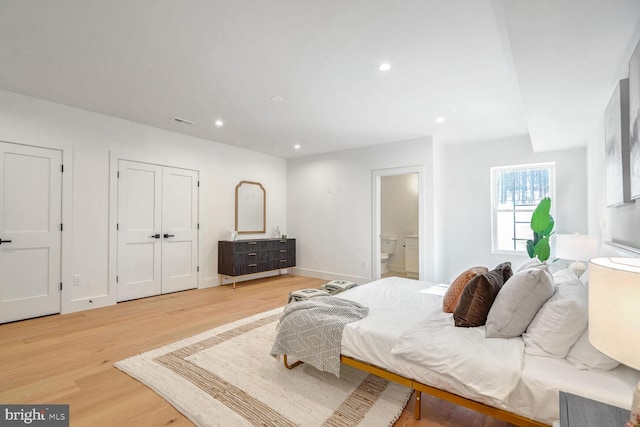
68 359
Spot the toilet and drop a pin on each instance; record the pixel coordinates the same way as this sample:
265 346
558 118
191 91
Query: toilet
387 248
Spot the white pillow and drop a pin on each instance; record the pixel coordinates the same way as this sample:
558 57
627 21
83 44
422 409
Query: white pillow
564 275
518 301
583 355
560 321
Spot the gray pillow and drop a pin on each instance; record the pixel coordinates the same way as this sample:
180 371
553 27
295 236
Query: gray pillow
518 302
532 263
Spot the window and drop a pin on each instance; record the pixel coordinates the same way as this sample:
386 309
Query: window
516 191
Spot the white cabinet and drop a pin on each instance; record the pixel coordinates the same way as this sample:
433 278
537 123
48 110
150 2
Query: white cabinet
411 256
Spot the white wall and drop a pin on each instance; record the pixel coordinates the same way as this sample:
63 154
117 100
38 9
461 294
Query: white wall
621 224
398 213
329 207
468 197
87 140
324 201
440 213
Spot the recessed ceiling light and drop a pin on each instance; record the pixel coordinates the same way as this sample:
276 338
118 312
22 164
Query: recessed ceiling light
439 119
183 121
277 98
297 146
384 66
218 123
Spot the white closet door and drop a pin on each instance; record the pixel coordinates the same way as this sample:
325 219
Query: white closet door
30 217
180 229
139 230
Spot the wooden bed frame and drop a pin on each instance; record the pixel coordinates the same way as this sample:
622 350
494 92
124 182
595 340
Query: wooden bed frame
436 392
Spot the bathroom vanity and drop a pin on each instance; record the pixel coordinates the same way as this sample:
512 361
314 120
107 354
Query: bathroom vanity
411 259
244 257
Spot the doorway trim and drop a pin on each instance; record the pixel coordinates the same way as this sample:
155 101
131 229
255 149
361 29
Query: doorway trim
376 174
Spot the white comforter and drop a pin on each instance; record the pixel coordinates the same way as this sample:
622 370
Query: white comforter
406 332
406 323
489 366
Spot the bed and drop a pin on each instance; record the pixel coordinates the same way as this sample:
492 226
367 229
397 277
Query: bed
397 341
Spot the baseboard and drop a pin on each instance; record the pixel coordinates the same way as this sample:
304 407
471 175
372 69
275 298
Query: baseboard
331 276
87 304
209 282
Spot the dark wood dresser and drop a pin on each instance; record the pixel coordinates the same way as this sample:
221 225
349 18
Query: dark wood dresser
244 257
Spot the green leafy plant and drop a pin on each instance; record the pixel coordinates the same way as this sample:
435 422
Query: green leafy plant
542 224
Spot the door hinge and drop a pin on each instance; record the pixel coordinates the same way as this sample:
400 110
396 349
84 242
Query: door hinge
62 168
61 227
198 183
198 269
60 285
118 174
116 279
198 226
117 226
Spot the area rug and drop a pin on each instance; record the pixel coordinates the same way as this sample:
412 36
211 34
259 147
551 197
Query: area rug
226 377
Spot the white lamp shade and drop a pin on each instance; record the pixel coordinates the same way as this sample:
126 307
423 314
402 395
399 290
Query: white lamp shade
614 308
576 247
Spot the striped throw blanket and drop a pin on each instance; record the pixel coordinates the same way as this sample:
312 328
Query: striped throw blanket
311 330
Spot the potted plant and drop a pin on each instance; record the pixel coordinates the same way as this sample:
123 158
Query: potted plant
542 224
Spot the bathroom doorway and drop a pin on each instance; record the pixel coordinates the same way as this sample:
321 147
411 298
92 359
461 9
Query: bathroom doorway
397 222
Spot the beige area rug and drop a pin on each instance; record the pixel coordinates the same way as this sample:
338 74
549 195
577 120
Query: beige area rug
226 377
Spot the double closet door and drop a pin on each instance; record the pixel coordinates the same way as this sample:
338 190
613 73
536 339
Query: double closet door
157 230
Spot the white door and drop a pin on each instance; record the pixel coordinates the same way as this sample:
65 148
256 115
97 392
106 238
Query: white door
157 230
30 231
139 230
179 229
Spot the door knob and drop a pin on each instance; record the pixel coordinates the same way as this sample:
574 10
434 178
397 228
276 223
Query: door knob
4 241
166 236
156 236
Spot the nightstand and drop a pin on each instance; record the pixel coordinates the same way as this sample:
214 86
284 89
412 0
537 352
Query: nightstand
577 411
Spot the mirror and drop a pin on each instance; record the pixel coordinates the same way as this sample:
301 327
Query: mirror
251 201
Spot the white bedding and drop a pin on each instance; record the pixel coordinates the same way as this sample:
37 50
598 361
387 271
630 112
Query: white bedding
489 366
401 309
543 377
398 305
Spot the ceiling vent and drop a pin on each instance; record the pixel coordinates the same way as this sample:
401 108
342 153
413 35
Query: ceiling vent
185 121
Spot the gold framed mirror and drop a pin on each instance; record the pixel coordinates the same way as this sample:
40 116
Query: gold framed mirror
251 204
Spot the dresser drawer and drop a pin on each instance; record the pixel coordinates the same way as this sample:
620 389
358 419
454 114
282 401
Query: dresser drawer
242 269
250 246
250 257
278 254
281 263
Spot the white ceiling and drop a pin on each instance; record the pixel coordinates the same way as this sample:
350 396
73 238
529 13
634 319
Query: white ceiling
491 68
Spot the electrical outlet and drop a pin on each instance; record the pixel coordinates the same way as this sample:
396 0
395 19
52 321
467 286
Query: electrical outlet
77 280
